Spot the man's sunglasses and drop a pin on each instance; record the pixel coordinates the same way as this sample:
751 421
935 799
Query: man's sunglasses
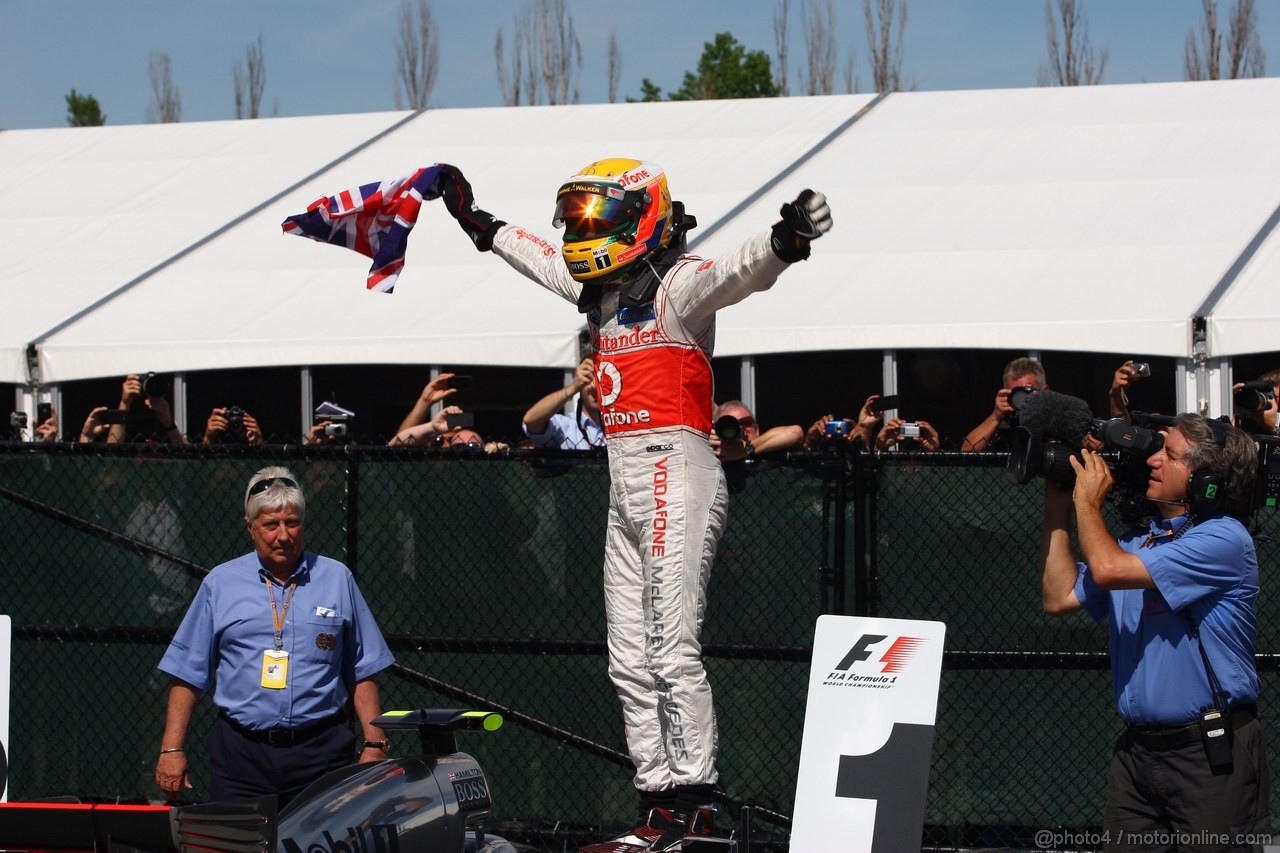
262 485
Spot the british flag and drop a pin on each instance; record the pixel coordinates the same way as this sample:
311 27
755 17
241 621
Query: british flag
374 220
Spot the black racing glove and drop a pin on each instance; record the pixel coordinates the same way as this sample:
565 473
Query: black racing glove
807 218
461 204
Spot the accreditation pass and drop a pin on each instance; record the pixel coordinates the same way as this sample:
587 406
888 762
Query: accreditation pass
275 669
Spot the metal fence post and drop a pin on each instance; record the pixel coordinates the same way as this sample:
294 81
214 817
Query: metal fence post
857 475
352 500
838 541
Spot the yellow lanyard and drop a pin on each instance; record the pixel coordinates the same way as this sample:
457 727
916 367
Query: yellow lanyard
278 619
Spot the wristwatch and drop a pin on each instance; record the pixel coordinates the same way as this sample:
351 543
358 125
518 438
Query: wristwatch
384 744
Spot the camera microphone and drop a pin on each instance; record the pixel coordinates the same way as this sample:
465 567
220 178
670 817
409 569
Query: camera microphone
1057 416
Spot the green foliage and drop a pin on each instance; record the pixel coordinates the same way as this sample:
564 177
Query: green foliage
726 70
649 91
83 111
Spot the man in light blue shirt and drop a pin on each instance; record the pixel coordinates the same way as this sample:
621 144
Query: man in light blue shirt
285 639
1180 600
546 426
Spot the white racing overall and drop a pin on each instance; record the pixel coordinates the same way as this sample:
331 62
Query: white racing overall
668 503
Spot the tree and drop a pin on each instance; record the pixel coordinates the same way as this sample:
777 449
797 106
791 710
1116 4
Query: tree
83 111
559 52
1202 57
250 80
819 18
1072 62
649 92
166 100
615 67
781 18
886 51
546 55
513 88
728 70
417 59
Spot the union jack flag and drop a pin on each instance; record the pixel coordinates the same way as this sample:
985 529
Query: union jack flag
374 220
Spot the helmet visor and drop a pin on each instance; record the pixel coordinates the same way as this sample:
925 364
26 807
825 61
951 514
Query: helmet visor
587 212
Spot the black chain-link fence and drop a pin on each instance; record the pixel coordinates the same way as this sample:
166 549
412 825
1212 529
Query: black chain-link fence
484 575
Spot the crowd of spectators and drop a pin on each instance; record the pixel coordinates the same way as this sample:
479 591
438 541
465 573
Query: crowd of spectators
568 418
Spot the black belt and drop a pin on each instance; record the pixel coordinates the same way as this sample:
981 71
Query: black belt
284 737
1174 737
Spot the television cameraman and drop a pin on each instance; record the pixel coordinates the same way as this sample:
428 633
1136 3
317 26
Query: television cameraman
1180 599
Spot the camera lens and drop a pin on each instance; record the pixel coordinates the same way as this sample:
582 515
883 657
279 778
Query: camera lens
728 428
1018 396
1249 401
154 385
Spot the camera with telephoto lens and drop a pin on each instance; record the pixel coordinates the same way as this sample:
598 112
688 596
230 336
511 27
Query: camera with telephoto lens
1018 398
1254 397
728 428
155 385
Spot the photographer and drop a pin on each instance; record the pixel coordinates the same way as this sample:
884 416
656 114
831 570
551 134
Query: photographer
232 425
822 434
1125 376
155 423
546 426
991 434
746 439
898 434
47 430
437 432
433 392
1179 597
1254 404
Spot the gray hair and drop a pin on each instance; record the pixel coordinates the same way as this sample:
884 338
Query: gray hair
1023 366
276 495
1235 461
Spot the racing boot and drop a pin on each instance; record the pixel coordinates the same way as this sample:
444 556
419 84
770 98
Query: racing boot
683 827
638 840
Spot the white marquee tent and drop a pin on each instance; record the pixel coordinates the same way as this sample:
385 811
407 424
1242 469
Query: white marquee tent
1088 219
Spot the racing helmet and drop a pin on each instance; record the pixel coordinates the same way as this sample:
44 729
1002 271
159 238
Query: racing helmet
613 212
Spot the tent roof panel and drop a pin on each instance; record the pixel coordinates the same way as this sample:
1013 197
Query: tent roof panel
1096 218
255 296
92 208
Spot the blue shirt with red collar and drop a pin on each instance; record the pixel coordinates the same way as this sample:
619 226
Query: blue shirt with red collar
329 633
1208 572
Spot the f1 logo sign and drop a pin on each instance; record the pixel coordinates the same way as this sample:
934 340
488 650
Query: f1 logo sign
868 735
859 651
894 659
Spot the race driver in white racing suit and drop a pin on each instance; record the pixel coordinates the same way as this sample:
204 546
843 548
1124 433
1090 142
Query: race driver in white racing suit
651 309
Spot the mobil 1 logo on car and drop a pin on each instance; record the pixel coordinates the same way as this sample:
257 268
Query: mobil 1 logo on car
868 735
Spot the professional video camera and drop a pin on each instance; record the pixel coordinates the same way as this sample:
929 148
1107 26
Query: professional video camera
1052 429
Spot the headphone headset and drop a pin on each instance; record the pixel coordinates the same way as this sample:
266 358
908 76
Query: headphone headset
1206 492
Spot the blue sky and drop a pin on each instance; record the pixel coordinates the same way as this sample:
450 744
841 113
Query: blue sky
325 56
